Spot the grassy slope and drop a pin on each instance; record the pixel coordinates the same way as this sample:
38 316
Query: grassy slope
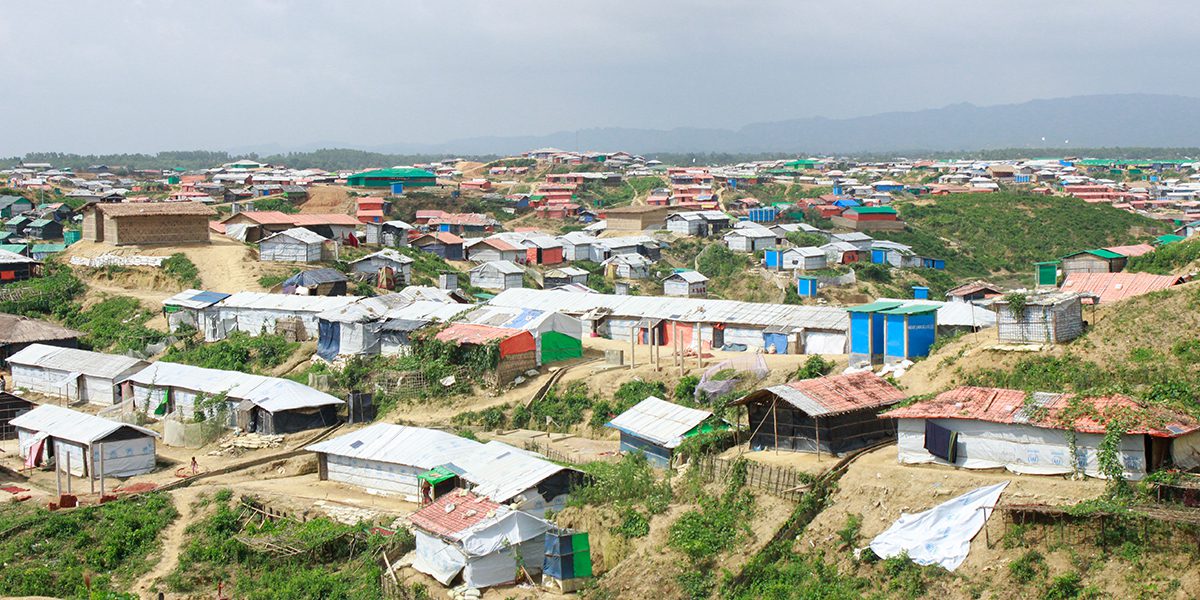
981 235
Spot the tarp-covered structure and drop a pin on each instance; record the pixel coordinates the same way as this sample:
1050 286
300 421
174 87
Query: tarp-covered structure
192 308
558 336
51 432
463 533
695 322
987 428
317 282
833 414
362 328
517 349
78 375
253 402
257 312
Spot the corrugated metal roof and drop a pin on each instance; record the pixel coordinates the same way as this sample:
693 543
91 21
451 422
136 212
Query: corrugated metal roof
452 514
388 254
85 362
1131 250
70 425
659 421
287 302
506 267
500 471
832 395
269 393
398 444
299 234
1112 287
688 276
695 310
1000 405
11 258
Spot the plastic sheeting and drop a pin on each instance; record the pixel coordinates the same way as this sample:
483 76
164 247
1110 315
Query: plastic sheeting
436 558
753 366
941 535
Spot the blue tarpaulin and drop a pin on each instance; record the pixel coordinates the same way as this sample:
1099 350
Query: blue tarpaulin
329 339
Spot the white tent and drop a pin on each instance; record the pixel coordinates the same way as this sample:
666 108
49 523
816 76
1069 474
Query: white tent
81 439
78 375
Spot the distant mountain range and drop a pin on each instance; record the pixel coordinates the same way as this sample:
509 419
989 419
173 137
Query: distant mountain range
1128 120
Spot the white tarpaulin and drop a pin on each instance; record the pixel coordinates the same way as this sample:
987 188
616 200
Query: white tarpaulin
941 535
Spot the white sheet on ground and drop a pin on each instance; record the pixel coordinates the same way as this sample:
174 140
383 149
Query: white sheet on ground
941 535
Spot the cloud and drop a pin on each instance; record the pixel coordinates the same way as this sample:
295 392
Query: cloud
89 76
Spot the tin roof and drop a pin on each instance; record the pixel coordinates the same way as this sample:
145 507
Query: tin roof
1112 287
195 299
9 258
269 393
85 362
1042 409
1131 250
456 512
688 276
659 421
1100 252
832 395
70 425
299 234
398 444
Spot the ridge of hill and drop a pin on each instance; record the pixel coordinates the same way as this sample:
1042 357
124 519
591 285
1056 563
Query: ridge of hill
984 235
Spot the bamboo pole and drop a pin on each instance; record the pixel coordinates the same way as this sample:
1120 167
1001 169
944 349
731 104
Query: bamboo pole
101 470
633 348
817 426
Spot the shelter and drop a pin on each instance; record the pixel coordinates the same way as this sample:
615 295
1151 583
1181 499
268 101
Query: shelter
252 402
494 248
627 266
257 312
891 331
90 445
986 428
359 328
15 267
834 414
656 428
77 375
147 223
442 243
294 245
973 292
389 268
517 350
11 407
1100 260
750 239
1114 287
687 284
317 282
564 276
636 218
559 336
806 258
466 534
191 308
1053 317
388 233
869 218
498 275
408 177
17 332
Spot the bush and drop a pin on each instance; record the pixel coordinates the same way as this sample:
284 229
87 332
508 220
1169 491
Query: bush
685 389
718 524
180 267
849 532
815 366
1065 587
625 483
115 323
1027 567
633 524
237 352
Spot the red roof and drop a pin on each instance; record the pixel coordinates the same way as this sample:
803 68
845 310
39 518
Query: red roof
499 244
469 333
444 237
1112 287
999 405
429 213
972 288
833 395
265 217
1133 250
304 220
454 512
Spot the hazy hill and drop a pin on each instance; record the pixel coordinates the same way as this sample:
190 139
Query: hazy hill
1086 121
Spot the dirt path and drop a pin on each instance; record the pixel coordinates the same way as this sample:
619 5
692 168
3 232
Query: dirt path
173 540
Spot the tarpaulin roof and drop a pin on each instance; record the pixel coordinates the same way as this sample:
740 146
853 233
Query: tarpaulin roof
286 302
269 393
300 234
85 362
195 299
467 333
1042 409
833 395
73 426
661 422
398 444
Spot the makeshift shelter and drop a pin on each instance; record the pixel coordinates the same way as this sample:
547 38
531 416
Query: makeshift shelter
258 312
388 268
90 444
441 243
1053 317
77 375
294 245
559 336
1107 288
17 332
357 328
498 275
317 282
412 462
252 402
11 407
466 534
656 427
627 266
517 350
986 428
564 276
16 267
687 284
191 308
147 223
833 415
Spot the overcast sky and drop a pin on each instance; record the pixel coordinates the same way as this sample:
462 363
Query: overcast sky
129 76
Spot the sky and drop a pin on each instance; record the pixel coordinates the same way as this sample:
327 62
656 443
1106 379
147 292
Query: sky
99 76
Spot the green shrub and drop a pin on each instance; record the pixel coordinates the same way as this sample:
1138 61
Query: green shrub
237 352
1027 567
718 523
849 532
633 524
628 482
1065 587
685 390
180 267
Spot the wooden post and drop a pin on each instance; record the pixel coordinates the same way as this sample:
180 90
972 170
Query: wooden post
817 427
101 470
775 418
654 339
92 472
57 471
68 472
633 348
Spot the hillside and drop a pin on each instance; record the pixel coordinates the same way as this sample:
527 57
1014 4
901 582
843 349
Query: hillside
980 235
